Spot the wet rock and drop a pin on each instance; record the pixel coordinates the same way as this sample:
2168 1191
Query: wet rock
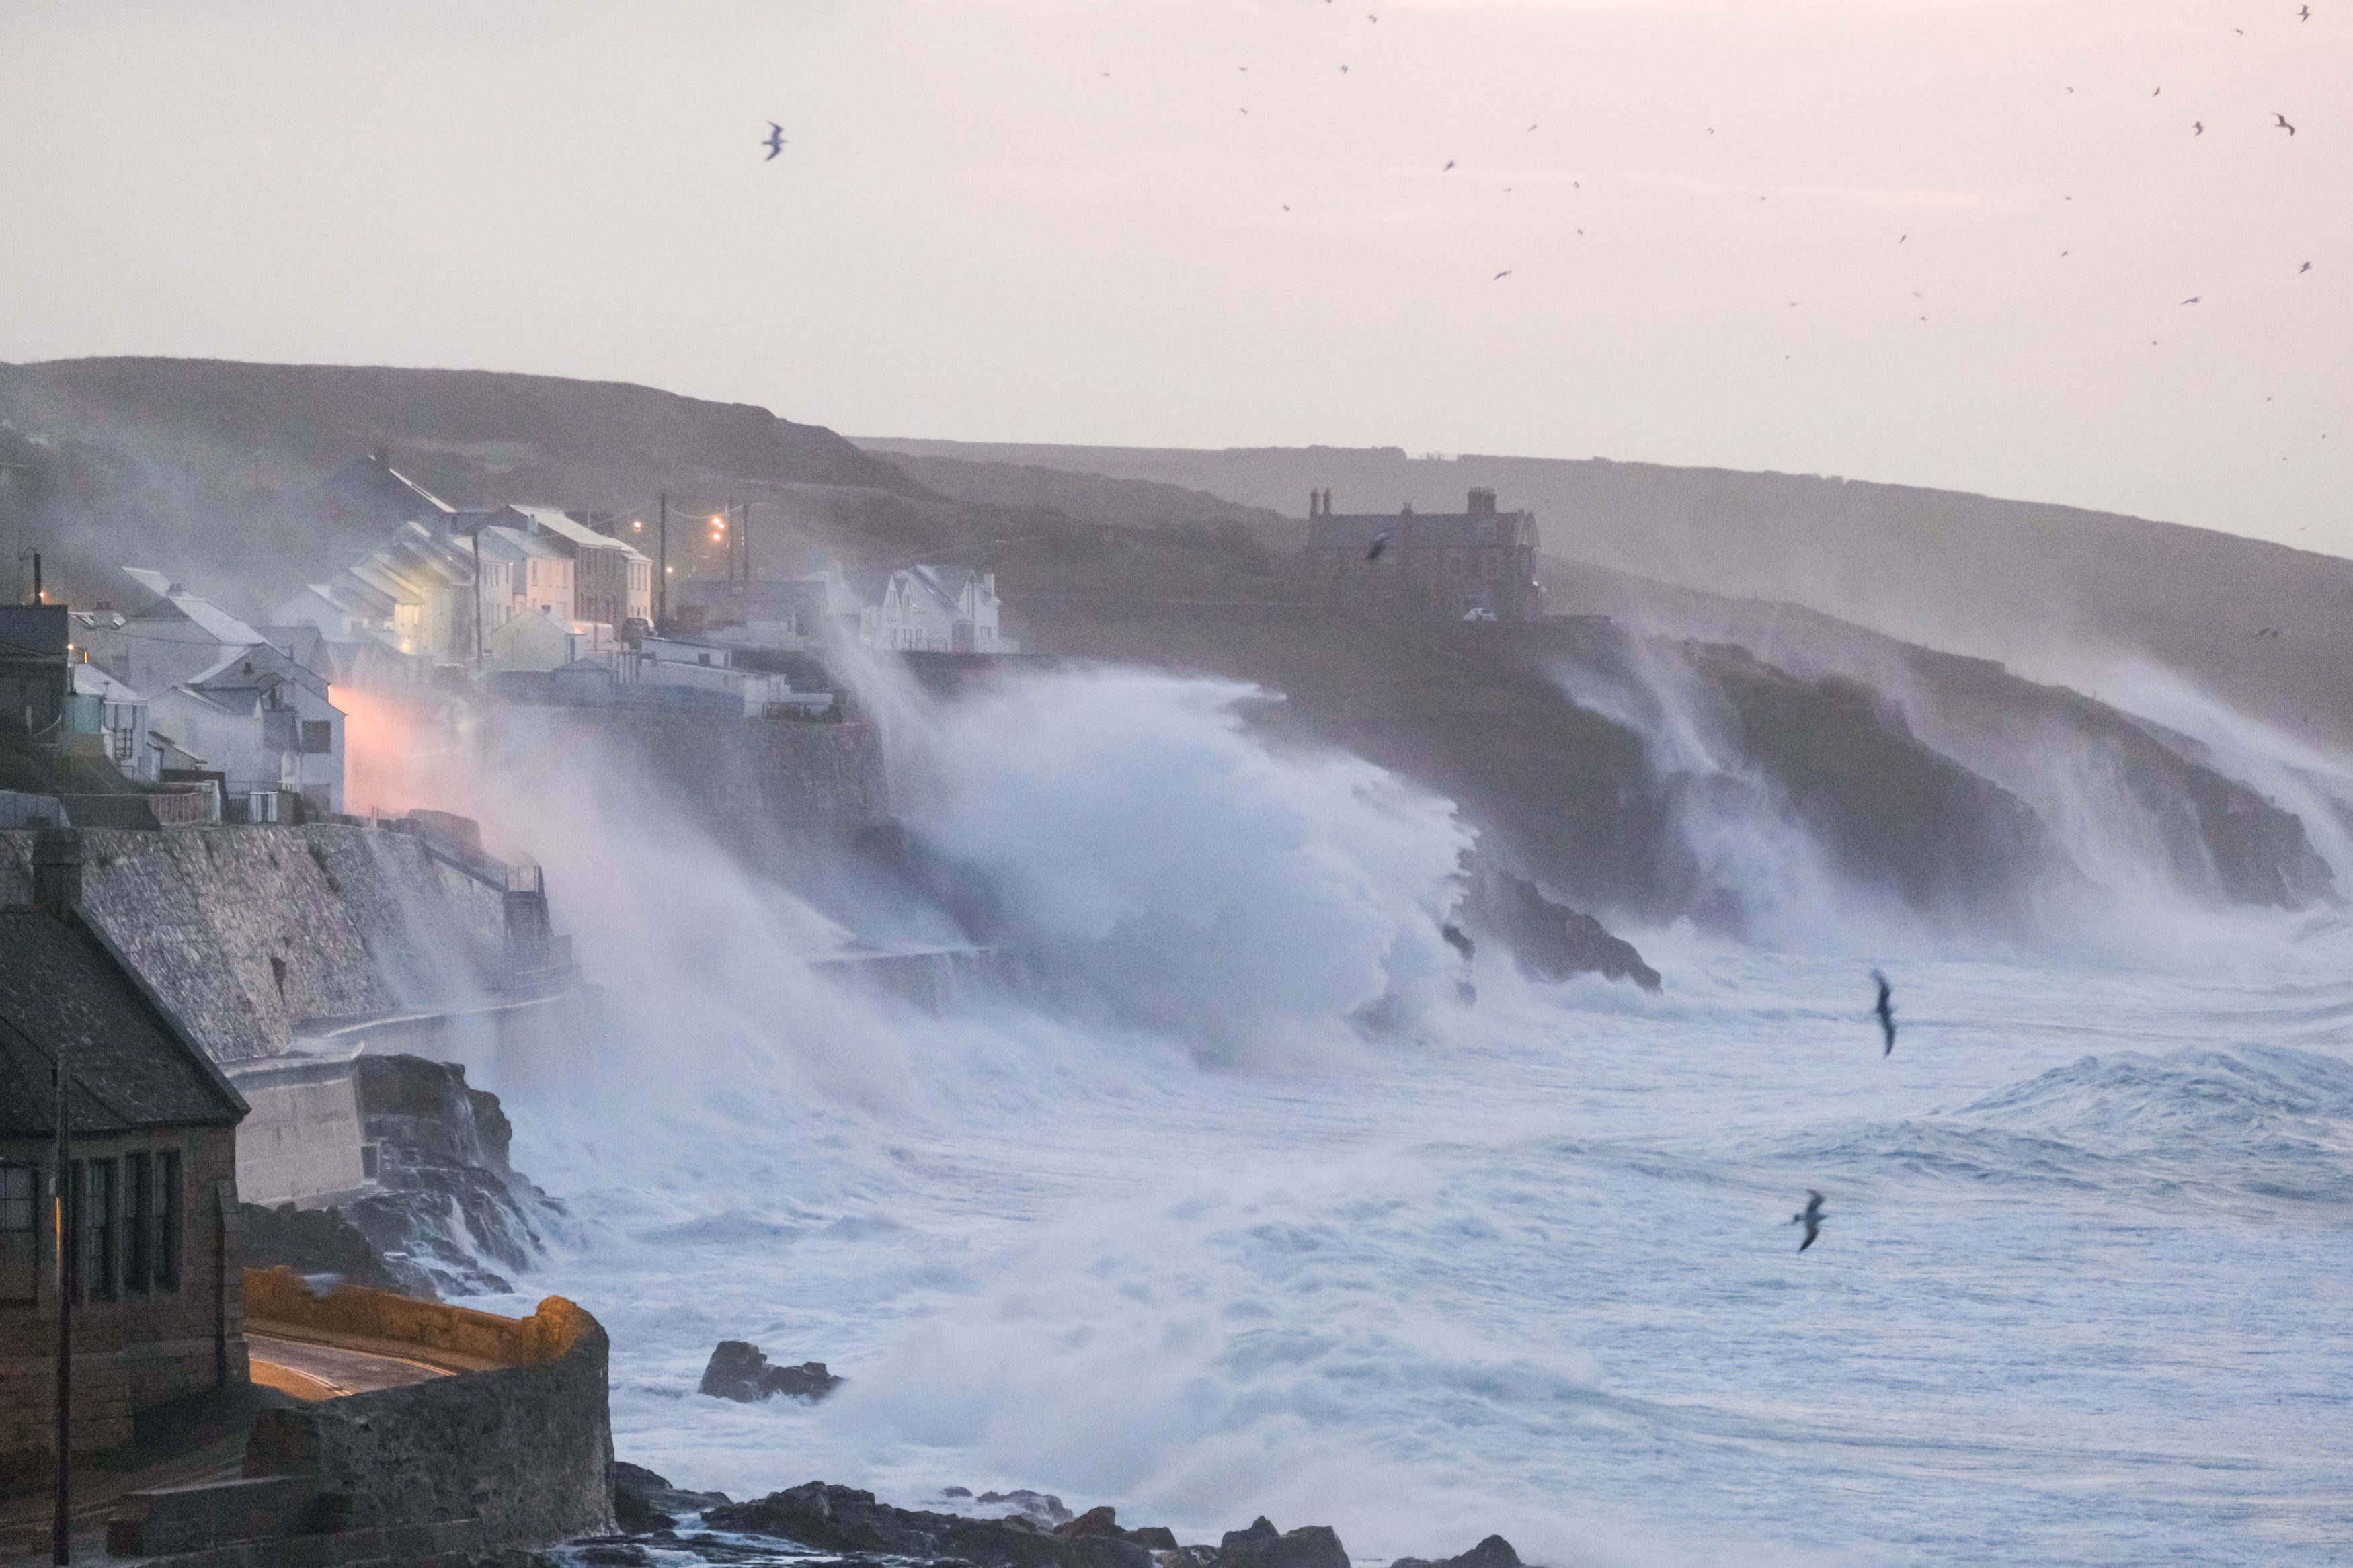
452 1217
1041 1506
1493 1552
1186 1557
643 1502
740 1372
837 1519
956 1491
1262 1546
1154 1538
1546 940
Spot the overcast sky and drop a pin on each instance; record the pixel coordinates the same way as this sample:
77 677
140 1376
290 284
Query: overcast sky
1874 237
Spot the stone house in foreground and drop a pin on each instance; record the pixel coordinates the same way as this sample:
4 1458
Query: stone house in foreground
150 1212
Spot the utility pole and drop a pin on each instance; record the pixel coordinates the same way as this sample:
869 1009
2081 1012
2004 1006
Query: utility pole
661 566
60 1529
746 526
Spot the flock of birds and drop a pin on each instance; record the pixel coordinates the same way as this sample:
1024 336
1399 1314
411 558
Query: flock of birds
1812 1215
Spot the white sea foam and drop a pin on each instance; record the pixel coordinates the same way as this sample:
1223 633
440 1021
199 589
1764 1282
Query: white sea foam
1188 1243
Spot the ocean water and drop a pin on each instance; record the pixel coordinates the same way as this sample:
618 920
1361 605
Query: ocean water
1242 1210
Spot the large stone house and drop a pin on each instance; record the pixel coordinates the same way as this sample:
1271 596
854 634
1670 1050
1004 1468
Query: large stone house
150 1200
612 580
1477 565
937 609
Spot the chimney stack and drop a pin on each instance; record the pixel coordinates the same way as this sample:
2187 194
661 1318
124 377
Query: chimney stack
1482 501
56 869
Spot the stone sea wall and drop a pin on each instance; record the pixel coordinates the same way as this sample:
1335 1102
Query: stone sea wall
248 932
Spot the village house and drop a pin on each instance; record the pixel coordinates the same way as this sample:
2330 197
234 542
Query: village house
265 723
1477 565
177 635
612 581
803 613
150 1194
936 609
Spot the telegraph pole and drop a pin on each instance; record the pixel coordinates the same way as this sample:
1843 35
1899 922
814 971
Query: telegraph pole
478 600
60 1530
661 566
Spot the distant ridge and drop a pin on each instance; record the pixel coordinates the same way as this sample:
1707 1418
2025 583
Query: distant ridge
2057 591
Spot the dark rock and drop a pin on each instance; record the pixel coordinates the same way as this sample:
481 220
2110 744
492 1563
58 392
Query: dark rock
1546 940
738 1371
837 1519
1261 1546
1189 1557
452 1212
643 1502
956 1491
313 1242
1154 1538
1493 1552
1095 1522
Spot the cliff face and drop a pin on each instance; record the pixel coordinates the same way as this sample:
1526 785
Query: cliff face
247 932
1590 753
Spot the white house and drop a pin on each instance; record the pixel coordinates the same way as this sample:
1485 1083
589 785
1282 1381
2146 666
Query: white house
537 639
119 716
179 636
937 609
264 722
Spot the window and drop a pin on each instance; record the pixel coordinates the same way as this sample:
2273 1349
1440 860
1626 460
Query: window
94 1278
162 1221
19 1236
138 1175
318 736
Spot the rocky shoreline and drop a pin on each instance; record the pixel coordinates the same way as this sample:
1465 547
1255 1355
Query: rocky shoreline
818 1525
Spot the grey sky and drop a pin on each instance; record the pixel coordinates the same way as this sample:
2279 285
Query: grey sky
975 233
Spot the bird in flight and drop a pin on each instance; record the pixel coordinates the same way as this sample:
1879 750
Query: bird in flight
2158 90
2198 128
1380 543
2284 125
2304 15
1498 277
1886 1007
2194 299
2306 268
1449 163
1810 1216
775 143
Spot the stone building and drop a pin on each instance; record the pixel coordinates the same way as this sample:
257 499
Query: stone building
151 1194
1477 565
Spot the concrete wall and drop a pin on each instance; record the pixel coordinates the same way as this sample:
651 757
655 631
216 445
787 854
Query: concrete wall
247 932
135 1351
525 1449
301 1142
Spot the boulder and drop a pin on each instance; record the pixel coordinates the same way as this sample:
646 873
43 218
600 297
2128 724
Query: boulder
839 1520
1043 1507
1546 940
1262 1546
1493 1552
738 1371
643 1502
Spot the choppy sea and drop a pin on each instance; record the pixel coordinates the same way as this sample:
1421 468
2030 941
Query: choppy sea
2083 1293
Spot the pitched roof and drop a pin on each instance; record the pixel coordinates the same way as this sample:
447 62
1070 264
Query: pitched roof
218 624
552 520
63 986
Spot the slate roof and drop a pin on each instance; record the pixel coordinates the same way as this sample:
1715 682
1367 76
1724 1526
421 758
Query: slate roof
61 983
552 520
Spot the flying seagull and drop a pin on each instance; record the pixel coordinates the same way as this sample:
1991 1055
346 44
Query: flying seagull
2198 128
1380 543
1449 163
1498 277
1884 1007
1810 1216
2306 268
2304 15
2194 299
2284 125
775 143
